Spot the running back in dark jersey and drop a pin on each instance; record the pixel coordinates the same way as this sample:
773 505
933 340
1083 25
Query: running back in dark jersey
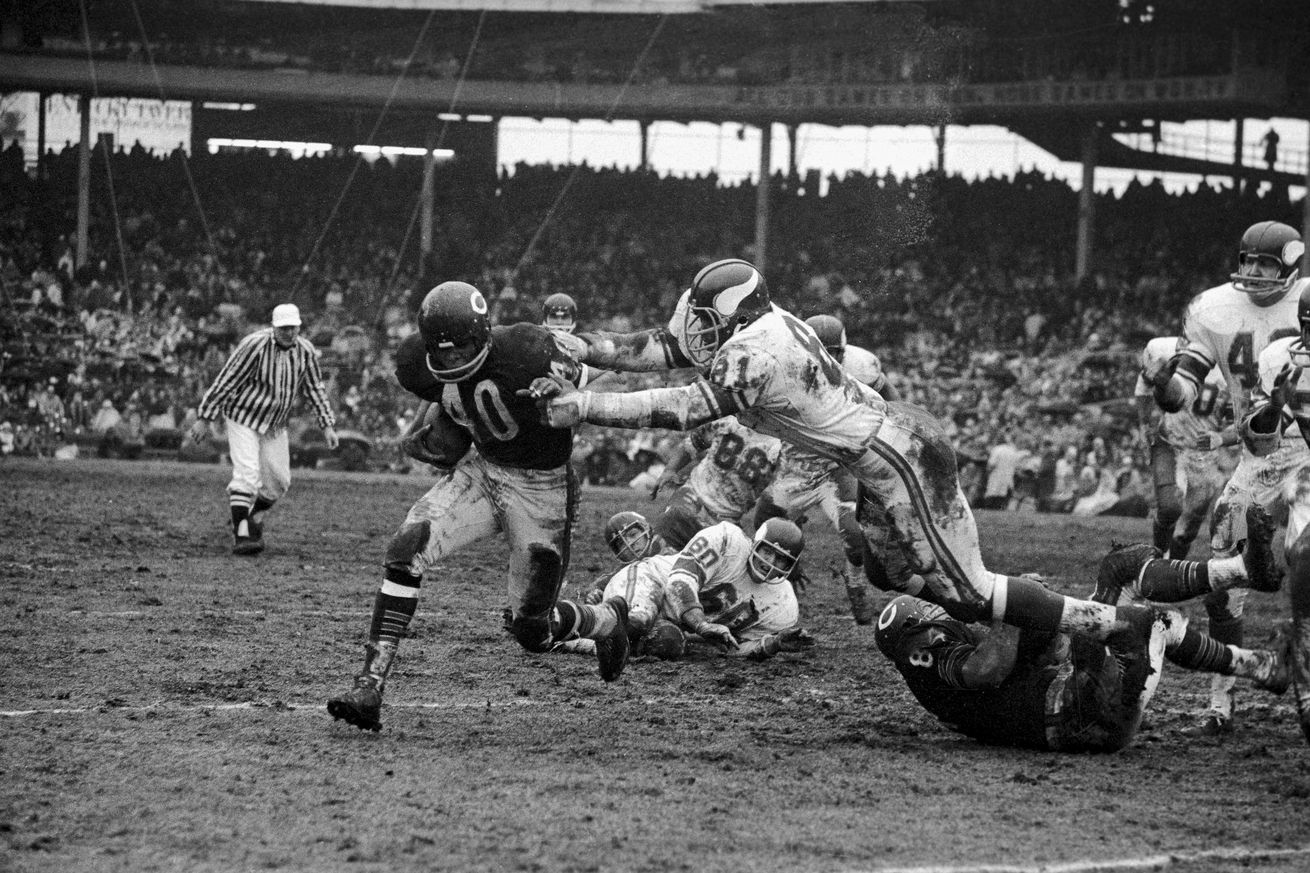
507 429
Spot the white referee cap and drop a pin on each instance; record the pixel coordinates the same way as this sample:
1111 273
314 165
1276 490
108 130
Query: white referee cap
286 315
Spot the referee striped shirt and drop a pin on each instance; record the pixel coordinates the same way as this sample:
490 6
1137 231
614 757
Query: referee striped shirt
258 385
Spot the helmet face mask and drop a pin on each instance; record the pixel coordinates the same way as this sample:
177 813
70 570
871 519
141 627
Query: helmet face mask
1268 261
724 296
456 330
630 536
775 551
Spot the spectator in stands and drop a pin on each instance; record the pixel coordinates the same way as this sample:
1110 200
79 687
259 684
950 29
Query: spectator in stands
1002 465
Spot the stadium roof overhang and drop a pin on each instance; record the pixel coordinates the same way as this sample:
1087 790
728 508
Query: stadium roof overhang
610 7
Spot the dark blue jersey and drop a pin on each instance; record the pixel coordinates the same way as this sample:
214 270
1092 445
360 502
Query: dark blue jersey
930 659
507 429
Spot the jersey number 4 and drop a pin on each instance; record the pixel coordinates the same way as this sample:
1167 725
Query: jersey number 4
1242 356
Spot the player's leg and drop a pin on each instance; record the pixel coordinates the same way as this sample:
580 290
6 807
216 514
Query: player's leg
910 471
1165 474
537 509
455 512
243 449
836 498
681 519
1193 650
274 478
1298 585
1249 484
1201 483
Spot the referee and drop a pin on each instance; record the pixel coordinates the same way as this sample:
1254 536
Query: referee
254 392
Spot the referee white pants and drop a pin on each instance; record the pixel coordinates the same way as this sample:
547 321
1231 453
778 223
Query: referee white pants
261 463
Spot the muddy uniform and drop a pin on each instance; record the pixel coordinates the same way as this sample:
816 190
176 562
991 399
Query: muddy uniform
1285 461
710 572
735 465
1052 699
518 480
1188 474
806 480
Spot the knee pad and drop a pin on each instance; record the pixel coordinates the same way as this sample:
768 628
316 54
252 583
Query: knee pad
406 543
533 634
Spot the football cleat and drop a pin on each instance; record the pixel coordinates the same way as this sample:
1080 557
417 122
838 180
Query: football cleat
1119 570
247 545
613 648
1262 571
1211 724
1131 647
1280 671
361 706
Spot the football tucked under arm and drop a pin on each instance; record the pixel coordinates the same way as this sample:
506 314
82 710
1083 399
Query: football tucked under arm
435 438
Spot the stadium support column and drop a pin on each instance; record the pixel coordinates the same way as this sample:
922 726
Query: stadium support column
1239 135
1087 201
762 197
645 144
84 180
1305 210
426 199
791 157
41 99
939 138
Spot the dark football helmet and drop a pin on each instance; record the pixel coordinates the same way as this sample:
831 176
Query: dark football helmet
901 616
456 330
630 536
775 550
831 332
560 312
1268 261
724 296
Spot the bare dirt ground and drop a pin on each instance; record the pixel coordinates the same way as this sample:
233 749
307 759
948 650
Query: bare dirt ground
163 710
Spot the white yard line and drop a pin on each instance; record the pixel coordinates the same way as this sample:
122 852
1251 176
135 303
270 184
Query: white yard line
1091 865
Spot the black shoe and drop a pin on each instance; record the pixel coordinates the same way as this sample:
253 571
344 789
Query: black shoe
613 648
1262 572
1119 570
1131 647
247 546
361 706
1211 725
1280 674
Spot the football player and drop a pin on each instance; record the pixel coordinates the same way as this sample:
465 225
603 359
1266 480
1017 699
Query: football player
767 367
518 482
1019 687
1187 473
733 465
725 587
1229 327
1277 431
806 480
560 312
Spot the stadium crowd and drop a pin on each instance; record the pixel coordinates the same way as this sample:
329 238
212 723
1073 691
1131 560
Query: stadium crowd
963 288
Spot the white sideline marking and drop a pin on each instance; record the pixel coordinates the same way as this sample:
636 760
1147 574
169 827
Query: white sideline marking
317 707
1149 862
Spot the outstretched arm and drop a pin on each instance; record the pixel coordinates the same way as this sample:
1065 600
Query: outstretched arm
681 408
643 351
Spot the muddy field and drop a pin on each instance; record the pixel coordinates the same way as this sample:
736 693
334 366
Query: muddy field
163 710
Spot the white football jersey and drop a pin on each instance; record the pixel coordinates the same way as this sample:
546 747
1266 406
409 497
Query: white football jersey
1205 415
736 465
1224 328
724 586
787 385
1296 415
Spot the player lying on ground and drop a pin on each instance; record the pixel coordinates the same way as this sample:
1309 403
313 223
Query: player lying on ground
518 482
1042 690
728 589
768 368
